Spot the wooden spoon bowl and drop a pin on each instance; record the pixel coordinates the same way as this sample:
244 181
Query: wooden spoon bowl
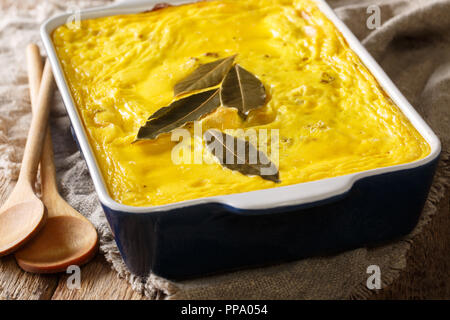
19 223
64 241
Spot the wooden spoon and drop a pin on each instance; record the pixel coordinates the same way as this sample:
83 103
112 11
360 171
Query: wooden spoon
23 214
68 238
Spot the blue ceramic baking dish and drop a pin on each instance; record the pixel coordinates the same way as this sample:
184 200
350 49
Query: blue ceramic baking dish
210 235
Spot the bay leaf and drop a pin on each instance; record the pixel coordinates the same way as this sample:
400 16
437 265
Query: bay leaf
206 76
179 113
242 90
159 113
240 155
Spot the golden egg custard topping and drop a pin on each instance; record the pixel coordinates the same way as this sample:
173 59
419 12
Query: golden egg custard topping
331 115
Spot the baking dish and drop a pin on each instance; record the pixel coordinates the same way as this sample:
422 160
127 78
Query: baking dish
267 226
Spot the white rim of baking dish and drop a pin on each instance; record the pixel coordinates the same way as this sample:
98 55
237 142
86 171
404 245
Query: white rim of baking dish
293 195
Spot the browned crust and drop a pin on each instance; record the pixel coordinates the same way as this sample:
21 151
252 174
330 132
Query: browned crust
164 5
159 6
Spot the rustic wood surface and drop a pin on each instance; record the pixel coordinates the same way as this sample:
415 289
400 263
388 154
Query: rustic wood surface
427 275
98 281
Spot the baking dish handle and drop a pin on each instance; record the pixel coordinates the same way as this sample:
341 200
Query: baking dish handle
295 195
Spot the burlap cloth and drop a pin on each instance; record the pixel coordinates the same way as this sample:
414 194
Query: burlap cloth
412 45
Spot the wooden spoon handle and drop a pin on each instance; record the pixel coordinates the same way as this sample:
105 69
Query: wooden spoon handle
48 176
35 68
35 139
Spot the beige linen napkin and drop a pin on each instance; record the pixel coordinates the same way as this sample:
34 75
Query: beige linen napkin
413 47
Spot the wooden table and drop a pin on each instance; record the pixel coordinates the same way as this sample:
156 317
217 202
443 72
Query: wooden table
427 275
